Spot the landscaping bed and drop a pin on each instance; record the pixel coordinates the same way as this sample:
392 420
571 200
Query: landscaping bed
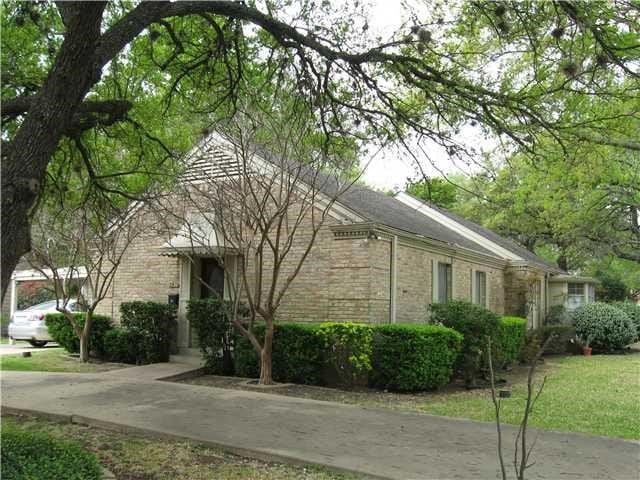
55 360
131 457
596 395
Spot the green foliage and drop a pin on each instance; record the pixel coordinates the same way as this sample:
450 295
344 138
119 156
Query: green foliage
63 333
603 326
557 315
476 324
347 348
435 190
297 353
211 319
413 357
633 312
156 327
610 288
121 345
35 455
559 344
509 341
33 293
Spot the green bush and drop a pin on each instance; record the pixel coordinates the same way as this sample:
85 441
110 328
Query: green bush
557 315
156 326
603 326
63 333
509 341
476 324
413 357
33 455
297 353
211 319
559 344
633 312
123 346
347 350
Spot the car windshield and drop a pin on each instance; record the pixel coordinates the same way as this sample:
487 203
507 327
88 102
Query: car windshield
43 306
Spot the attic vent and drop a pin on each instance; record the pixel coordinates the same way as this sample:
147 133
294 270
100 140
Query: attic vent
212 163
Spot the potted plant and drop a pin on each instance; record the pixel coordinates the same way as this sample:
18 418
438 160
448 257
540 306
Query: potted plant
586 349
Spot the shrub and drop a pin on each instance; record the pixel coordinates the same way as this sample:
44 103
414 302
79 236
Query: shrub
633 312
413 357
63 333
476 324
211 319
604 326
562 336
123 346
557 315
34 455
156 326
297 353
509 341
347 349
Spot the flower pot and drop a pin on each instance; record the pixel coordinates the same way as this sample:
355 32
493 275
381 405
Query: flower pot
586 351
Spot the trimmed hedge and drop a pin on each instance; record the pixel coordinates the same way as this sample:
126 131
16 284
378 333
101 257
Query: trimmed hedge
297 354
603 326
509 341
154 324
413 357
63 333
633 312
347 351
476 324
211 319
34 455
123 346
563 334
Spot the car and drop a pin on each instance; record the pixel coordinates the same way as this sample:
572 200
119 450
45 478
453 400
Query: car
29 325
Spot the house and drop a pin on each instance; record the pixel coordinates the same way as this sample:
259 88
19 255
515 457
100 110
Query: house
377 258
571 291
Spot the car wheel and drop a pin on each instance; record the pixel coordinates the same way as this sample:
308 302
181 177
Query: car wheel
38 343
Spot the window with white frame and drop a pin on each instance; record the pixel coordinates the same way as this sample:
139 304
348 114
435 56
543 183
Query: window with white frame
576 295
480 288
444 282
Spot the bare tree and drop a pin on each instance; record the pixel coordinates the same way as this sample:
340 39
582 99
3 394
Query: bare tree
259 213
79 251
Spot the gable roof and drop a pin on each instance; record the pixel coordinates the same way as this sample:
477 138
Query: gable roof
396 212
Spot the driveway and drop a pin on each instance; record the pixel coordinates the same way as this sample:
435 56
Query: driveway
19 347
376 442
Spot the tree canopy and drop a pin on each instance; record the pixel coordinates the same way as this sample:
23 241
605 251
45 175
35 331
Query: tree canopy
106 96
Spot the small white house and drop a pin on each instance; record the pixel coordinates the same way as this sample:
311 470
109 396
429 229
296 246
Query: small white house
571 291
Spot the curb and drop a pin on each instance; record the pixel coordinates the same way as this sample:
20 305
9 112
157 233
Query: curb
255 453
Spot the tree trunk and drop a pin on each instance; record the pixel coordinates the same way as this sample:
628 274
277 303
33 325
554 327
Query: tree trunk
85 335
266 357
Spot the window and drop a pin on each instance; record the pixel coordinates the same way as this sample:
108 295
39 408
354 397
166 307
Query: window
444 282
576 296
480 288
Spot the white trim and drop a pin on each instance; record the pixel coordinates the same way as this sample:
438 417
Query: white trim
434 281
33 274
14 298
456 226
393 280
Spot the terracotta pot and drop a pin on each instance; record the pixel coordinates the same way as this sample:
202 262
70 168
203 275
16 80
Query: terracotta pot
586 351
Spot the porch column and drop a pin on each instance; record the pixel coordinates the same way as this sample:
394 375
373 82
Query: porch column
185 295
13 306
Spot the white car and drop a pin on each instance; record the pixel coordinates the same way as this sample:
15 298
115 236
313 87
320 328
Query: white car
29 325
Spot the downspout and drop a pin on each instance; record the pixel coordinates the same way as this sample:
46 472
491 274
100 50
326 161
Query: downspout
393 279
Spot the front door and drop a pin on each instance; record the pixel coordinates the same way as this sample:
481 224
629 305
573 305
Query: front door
212 275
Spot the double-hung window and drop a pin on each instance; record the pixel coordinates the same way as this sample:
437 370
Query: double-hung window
480 288
444 282
576 295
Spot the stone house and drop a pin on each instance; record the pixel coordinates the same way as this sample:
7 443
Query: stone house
377 259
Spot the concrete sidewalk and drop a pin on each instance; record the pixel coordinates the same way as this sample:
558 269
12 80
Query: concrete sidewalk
374 442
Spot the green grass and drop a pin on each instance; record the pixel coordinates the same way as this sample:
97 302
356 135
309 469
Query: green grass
53 360
597 395
133 457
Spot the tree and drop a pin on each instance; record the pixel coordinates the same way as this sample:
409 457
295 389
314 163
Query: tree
259 211
78 250
63 65
434 190
611 289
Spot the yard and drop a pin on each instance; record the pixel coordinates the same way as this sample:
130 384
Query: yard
137 458
54 360
596 395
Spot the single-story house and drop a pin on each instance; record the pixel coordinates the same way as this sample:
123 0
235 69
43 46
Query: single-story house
378 259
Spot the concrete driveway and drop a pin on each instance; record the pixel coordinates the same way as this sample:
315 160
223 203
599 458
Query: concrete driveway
376 442
19 347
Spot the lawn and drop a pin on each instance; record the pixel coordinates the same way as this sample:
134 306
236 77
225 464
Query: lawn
131 457
54 360
597 395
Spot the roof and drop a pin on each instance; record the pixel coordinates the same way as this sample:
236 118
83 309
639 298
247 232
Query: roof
573 279
377 207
